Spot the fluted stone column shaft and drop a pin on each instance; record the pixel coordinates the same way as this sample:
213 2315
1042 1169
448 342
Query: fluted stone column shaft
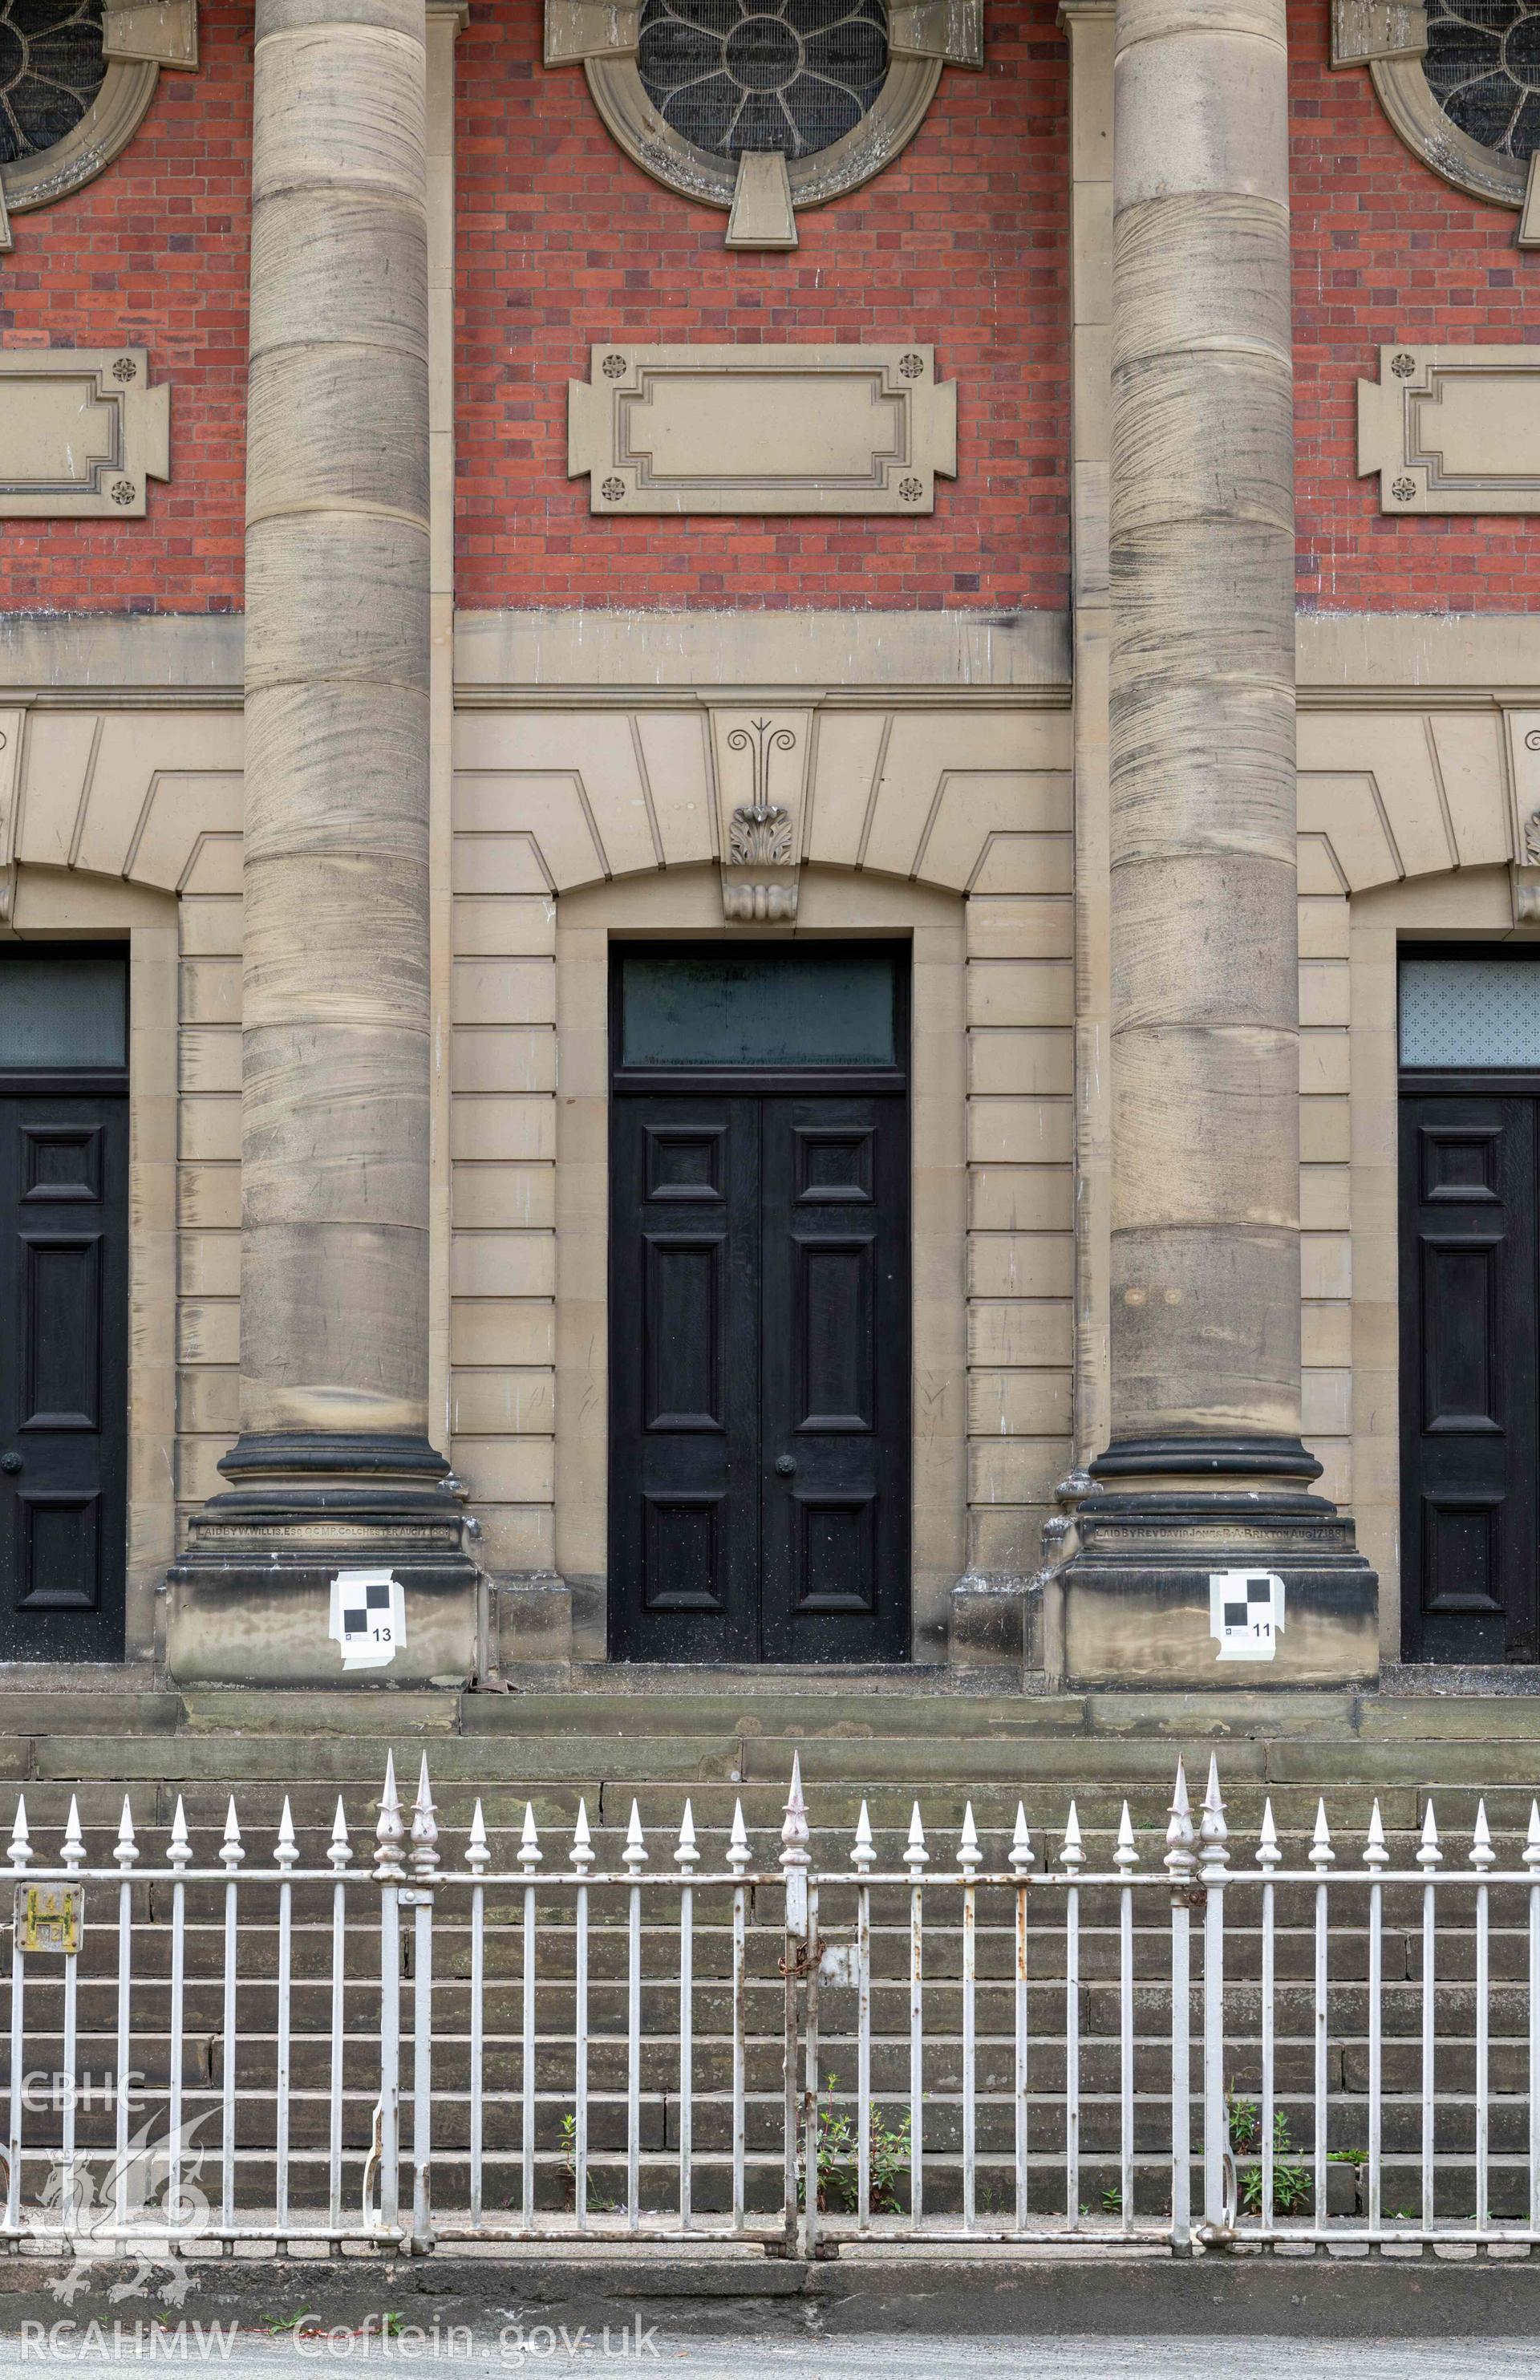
335 1018
1206 1287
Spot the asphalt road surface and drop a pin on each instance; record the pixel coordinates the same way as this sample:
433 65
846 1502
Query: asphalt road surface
526 2346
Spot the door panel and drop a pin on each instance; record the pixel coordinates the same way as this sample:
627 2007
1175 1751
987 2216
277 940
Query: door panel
835 1458
64 1284
759 1377
683 1392
1469 1338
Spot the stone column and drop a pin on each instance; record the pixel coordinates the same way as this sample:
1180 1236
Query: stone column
334 1468
1205 1471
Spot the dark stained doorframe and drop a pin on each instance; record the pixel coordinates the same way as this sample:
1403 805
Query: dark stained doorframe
1470 1353
759 1364
64 1372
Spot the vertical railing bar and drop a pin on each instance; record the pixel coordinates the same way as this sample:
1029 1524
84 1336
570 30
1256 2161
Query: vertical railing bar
1321 1856
285 1855
526 2065
422 2064
582 1860
126 1853
230 1853
1428 1856
339 2038
1072 2056
863 2056
915 1856
1214 1855
1376 1857
19 2056
1021 1860
634 1854
968 1857
425 1861
1180 1866
388 1869
67 2121
810 2100
180 1851
737 1859
1482 1857
798 1946
685 1857
1267 1858
740 1987
1125 1857
478 1858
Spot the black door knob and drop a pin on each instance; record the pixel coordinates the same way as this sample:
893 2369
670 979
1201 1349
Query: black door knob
784 1464
11 1461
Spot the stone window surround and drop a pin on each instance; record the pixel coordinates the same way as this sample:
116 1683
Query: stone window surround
139 40
53 905
686 904
1467 906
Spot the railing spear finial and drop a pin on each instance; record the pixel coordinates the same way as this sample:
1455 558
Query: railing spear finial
425 1829
582 1842
1179 1837
389 1832
862 1853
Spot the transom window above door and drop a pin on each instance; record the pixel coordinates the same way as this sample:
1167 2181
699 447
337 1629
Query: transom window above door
1470 1011
764 1006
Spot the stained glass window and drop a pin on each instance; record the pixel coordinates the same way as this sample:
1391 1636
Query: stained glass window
51 70
1483 66
792 74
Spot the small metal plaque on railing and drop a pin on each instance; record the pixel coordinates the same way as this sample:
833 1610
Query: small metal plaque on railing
49 1916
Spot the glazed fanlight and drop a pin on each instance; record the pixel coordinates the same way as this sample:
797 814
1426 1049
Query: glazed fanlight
792 74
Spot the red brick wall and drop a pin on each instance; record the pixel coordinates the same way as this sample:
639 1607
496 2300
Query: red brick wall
153 254
563 241
1383 250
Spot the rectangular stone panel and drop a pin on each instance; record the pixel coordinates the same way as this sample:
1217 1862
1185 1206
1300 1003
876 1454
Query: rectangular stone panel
761 429
81 433
1453 430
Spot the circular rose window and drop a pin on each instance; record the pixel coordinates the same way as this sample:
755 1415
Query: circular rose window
66 107
835 89
1482 67
51 70
795 75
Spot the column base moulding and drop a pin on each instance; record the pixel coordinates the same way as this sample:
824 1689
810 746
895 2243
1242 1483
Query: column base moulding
250 1599
1167 1517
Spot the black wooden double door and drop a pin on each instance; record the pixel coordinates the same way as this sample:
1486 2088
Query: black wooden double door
64 1299
759 1377
1470 1353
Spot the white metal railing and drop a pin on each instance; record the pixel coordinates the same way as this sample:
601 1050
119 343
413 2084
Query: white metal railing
439 2046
